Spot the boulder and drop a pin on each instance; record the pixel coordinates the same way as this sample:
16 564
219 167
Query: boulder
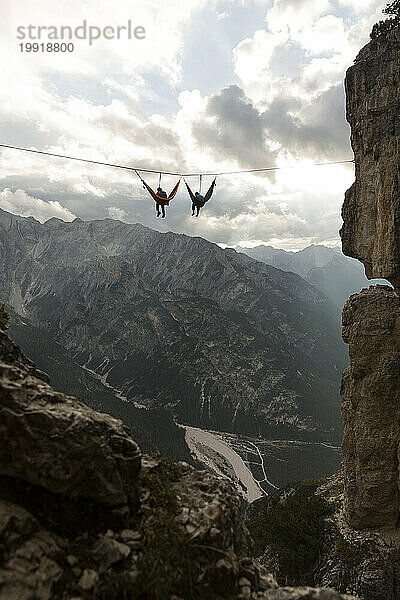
58 443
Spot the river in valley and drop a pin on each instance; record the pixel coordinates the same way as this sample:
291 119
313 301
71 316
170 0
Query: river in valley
256 466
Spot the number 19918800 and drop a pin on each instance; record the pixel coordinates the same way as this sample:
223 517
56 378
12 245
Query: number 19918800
48 47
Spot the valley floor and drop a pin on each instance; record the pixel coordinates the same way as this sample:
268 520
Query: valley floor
256 466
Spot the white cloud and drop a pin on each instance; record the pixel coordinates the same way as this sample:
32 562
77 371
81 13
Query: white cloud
116 213
252 55
295 15
106 103
20 203
164 23
306 48
363 5
327 34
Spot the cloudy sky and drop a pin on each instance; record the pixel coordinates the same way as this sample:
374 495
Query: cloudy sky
216 85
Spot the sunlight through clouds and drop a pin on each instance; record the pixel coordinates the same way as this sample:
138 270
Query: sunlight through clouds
129 103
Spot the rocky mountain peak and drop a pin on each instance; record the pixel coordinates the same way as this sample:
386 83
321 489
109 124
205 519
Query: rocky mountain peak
153 314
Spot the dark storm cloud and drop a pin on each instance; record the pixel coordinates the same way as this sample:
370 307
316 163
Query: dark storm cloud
236 132
316 129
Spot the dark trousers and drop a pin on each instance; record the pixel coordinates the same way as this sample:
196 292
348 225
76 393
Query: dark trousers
197 208
158 206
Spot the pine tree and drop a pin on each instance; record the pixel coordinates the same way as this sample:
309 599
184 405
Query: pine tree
393 8
383 27
3 316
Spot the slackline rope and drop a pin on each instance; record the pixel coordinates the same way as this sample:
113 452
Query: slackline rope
136 169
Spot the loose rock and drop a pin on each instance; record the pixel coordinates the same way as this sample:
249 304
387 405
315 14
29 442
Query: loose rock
88 579
107 551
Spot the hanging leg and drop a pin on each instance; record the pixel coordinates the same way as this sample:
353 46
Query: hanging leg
158 210
193 209
163 211
198 210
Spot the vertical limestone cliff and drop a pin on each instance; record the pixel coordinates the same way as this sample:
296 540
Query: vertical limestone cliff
371 408
371 210
371 320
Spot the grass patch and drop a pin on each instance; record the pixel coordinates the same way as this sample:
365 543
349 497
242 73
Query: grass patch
292 523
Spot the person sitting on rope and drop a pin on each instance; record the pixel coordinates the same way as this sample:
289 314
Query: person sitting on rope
161 194
160 197
198 201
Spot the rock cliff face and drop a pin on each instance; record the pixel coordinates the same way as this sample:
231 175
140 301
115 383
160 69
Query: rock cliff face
371 408
371 211
53 440
72 524
371 320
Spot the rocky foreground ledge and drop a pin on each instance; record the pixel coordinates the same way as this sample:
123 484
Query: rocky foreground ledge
83 515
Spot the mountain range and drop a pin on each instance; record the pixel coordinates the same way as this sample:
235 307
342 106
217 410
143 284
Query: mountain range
335 274
214 337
